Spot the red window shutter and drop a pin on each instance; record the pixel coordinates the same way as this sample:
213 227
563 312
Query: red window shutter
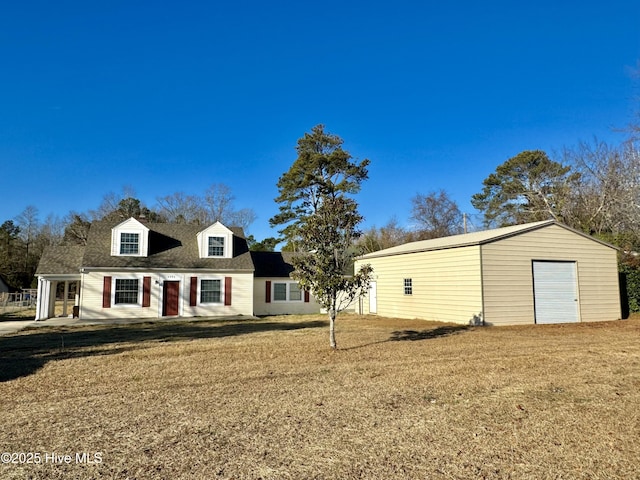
267 292
306 296
227 290
146 292
106 293
193 292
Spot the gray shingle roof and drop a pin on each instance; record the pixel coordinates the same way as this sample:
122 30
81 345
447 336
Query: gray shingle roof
171 246
61 260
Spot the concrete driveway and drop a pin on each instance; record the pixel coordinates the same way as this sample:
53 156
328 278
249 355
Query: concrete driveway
13 326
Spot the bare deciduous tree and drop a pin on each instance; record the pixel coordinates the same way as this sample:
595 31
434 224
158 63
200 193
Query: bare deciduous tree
181 208
387 236
436 215
606 200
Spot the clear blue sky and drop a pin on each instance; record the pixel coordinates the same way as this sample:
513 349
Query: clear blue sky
173 96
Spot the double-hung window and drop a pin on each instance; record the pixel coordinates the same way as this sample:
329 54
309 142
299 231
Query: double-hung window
286 292
216 247
279 292
129 243
127 290
408 286
295 294
210 291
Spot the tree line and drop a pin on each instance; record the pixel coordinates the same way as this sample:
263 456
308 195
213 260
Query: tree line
24 238
593 187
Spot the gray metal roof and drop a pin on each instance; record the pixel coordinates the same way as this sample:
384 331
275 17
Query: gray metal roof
469 239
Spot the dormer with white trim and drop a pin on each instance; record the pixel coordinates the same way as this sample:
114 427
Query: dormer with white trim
215 241
130 239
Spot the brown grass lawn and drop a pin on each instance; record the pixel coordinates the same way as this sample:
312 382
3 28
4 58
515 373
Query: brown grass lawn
29 313
268 399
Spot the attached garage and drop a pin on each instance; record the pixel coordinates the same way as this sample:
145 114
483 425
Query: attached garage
542 272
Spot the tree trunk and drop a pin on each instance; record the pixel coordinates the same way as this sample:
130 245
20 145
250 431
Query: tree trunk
332 328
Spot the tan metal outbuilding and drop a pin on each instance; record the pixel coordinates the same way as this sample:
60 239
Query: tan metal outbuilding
542 272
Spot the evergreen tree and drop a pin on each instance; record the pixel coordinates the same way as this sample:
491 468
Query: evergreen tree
320 220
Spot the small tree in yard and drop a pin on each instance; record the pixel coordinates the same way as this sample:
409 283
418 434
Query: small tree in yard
321 221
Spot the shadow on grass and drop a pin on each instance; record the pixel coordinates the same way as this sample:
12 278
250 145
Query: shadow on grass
414 335
24 354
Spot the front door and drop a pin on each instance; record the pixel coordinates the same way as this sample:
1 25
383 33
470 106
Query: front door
170 297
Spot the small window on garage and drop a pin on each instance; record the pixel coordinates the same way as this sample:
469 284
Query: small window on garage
408 286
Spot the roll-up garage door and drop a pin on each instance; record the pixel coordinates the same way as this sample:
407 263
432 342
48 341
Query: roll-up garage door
555 292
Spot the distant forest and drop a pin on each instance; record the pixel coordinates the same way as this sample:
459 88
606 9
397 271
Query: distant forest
593 188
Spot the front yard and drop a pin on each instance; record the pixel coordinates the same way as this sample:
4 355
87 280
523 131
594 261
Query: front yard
268 399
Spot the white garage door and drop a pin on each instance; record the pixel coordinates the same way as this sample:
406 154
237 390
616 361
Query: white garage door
555 292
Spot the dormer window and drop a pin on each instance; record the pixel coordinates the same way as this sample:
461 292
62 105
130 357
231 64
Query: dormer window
130 239
215 241
129 243
216 246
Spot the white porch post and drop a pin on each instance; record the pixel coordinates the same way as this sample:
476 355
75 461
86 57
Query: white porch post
52 299
39 298
66 296
44 291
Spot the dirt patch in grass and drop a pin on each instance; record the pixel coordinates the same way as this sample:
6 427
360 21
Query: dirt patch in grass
268 399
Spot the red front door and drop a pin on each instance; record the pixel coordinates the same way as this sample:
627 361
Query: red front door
170 295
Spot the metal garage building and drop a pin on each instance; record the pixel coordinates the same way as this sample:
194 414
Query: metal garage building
542 272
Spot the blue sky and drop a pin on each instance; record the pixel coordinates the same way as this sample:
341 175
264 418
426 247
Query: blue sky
169 97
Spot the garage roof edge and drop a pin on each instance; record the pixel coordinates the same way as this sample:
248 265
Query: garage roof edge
473 239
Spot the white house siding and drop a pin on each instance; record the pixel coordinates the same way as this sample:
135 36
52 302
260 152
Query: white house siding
446 285
262 307
508 277
241 297
93 284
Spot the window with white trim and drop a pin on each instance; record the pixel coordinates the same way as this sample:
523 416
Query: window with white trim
295 294
129 243
279 292
127 291
210 291
286 292
130 238
408 286
216 246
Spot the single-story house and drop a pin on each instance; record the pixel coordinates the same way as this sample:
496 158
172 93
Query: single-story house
274 291
151 270
542 272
